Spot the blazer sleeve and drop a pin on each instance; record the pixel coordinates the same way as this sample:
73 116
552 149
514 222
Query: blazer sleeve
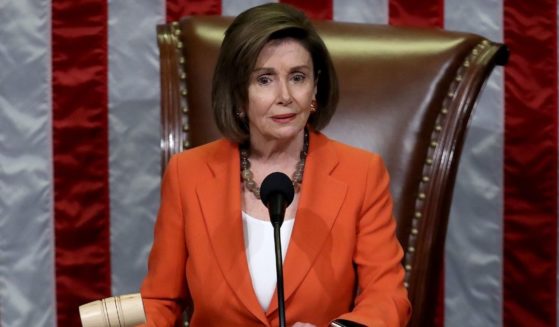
382 298
164 289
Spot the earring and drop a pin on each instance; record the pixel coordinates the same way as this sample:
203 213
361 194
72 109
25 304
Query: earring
314 106
240 115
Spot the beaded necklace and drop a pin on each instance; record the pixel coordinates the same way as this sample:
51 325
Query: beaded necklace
248 177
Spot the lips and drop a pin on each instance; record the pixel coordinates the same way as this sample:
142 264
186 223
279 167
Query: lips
283 118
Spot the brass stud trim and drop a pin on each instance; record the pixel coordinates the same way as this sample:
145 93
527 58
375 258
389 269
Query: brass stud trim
176 33
454 87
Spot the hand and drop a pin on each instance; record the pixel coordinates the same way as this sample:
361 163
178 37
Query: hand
303 324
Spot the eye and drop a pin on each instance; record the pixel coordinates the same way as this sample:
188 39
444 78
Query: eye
263 80
298 77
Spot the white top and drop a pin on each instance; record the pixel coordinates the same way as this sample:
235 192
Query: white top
259 248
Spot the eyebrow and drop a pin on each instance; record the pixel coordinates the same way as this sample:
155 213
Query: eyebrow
268 69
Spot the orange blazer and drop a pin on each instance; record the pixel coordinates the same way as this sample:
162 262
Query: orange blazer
343 259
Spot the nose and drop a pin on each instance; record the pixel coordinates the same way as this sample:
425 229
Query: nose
284 96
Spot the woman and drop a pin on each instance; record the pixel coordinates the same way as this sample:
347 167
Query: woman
274 88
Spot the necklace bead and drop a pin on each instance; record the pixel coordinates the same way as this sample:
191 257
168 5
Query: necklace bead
248 177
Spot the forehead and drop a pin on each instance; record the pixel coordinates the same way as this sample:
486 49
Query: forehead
289 49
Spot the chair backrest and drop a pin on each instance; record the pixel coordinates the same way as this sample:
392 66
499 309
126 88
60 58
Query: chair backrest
405 93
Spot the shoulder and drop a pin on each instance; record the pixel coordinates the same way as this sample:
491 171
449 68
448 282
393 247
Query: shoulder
356 167
203 153
351 156
195 161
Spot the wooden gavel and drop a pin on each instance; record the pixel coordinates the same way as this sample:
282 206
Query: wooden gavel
117 311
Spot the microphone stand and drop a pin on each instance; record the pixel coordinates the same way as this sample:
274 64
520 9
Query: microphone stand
276 192
279 273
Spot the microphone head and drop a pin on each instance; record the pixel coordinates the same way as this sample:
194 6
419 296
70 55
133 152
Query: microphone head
277 183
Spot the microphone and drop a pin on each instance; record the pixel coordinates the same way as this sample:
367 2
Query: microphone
277 192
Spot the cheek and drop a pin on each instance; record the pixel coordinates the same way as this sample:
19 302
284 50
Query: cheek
306 89
263 97
258 106
260 94
305 96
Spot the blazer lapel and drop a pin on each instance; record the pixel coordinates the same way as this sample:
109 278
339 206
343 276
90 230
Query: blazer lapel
220 200
319 204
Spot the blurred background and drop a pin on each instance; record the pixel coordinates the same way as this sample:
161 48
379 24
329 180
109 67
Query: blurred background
80 156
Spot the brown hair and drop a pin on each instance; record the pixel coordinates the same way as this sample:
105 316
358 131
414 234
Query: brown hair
244 39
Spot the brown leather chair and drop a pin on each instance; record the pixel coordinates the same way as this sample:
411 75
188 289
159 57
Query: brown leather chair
405 93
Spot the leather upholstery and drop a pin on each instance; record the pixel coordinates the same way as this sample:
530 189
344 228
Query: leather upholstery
405 93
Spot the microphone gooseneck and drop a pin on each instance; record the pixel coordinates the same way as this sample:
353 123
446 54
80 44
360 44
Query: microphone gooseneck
277 192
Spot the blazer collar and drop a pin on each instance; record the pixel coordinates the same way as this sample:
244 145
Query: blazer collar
219 197
320 201
319 204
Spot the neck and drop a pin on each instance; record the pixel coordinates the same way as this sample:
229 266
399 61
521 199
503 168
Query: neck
272 149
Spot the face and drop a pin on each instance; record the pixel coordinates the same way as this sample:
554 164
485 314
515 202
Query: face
280 91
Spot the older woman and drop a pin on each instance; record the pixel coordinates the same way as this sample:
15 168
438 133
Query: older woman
274 88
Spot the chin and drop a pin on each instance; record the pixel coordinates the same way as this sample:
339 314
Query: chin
289 133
